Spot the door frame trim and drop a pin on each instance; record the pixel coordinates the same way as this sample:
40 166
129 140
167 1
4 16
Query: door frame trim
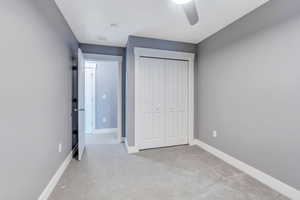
166 54
102 57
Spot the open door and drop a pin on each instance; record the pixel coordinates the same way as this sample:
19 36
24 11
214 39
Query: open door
81 104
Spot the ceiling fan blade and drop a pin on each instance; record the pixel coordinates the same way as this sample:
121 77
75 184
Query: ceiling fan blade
191 12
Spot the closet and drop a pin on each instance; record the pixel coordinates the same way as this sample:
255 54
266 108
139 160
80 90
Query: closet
162 98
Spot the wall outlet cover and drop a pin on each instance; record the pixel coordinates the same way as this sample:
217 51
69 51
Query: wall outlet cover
59 147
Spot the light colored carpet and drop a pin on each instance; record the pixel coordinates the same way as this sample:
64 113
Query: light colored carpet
103 138
107 172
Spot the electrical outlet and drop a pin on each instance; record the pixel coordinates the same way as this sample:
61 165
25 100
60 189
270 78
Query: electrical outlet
59 147
215 134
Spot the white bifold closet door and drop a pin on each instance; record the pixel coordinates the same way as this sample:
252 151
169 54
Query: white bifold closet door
176 102
151 103
162 103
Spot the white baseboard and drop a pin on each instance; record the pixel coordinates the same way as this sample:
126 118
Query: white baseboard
130 149
105 131
194 142
253 172
54 180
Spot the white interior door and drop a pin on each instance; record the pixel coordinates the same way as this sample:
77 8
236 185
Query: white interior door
151 103
162 102
176 98
81 104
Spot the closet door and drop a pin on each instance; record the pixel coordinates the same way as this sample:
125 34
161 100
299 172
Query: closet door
150 103
176 101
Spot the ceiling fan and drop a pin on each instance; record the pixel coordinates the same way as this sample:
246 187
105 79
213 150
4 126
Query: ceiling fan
190 9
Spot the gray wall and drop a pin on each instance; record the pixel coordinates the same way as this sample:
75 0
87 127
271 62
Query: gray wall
35 92
103 50
106 85
249 80
134 41
113 51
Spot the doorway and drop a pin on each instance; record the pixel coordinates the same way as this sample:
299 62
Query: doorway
103 99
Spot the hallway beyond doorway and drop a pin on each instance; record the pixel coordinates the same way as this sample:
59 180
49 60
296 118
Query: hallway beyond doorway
103 99
104 138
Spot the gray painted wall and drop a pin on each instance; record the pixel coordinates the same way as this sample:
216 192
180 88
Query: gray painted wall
106 94
133 42
101 49
35 89
113 51
249 80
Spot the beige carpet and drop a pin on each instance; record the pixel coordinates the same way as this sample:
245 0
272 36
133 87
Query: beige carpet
107 172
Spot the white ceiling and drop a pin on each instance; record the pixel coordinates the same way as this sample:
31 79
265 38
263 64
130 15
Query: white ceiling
90 20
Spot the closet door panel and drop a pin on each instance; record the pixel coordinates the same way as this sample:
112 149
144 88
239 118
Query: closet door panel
176 101
151 103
